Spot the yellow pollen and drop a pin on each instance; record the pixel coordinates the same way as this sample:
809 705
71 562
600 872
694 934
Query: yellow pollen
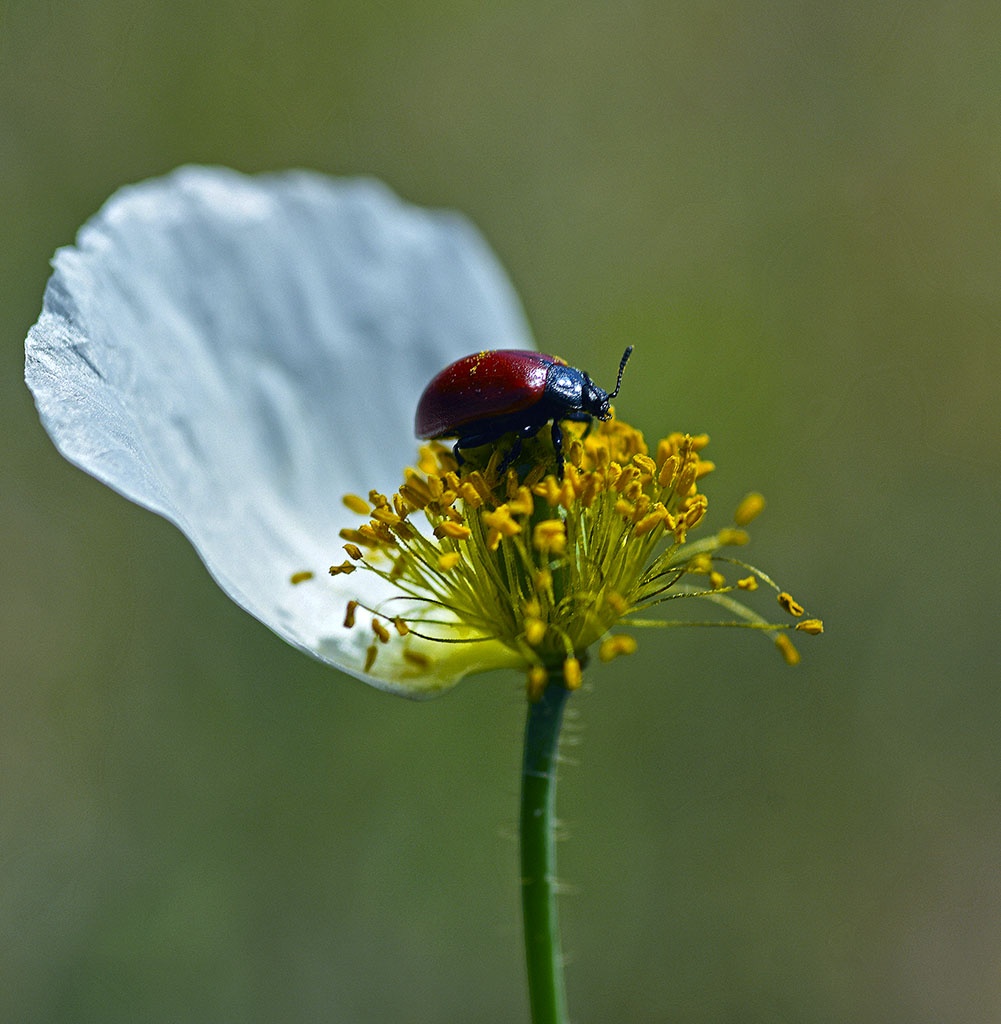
470 495
483 489
521 504
814 627
573 676
567 494
616 645
384 514
787 602
668 471
535 631
550 535
787 649
428 461
696 512
416 658
537 678
356 504
702 564
345 568
748 583
703 468
349 616
733 538
380 631
356 536
455 531
449 560
749 509
651 521
354 552
377 499
500 520
300 577
717 579
415 493
698 442
646 464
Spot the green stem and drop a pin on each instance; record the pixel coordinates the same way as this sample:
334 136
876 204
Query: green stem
543 955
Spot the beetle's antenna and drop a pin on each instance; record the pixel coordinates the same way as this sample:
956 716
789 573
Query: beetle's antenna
625 359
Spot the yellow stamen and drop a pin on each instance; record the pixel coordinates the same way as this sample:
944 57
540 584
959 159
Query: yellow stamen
537 679
345 568
349 617
733 538
401 627
814 627
500 520
521 504
354 552
646 464
300 577
550 536
370 654
422 661
573 675
787 649
616 645
748 583
535 632
750 507
449 560
356 504
380 631
787 602
717 580
454 531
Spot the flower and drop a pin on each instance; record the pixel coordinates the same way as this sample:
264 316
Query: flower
235 353
547 567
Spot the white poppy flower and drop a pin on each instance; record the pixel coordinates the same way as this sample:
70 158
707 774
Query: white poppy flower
236 353
244 355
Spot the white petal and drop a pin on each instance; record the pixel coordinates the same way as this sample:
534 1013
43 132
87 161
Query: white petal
236 353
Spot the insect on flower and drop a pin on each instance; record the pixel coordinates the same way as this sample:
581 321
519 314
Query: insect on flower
480 398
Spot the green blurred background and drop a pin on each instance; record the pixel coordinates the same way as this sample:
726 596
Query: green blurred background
793 211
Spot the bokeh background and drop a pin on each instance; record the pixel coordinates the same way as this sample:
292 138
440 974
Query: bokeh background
792 210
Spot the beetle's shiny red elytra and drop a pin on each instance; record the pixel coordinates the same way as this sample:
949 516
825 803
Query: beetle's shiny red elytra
483 396
480 386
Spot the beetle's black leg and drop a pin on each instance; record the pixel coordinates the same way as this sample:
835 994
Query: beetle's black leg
456 454
558 448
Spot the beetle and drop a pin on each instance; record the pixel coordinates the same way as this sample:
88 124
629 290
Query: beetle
483 396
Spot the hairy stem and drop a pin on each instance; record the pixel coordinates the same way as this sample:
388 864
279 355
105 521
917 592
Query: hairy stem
544 958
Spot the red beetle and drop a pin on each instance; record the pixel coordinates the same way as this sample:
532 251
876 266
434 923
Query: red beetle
481 397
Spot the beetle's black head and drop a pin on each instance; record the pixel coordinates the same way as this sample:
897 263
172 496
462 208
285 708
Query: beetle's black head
595 400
